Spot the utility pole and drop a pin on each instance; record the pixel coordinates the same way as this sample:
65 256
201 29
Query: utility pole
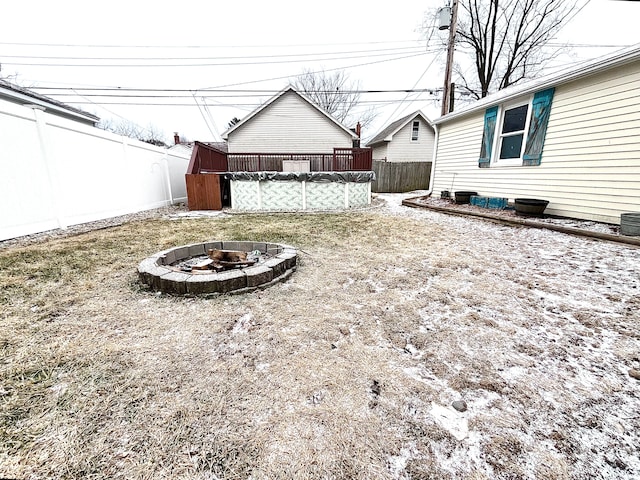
446 92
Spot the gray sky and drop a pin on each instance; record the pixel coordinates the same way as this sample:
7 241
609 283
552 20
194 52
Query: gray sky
249 45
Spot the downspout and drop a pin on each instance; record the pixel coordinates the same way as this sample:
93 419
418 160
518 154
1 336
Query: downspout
433 160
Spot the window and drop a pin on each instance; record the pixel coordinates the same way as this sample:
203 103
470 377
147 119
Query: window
414 130
511 140
514 133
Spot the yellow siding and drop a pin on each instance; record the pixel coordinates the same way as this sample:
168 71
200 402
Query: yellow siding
591 160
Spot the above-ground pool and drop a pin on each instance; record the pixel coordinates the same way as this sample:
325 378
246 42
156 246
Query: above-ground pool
300 190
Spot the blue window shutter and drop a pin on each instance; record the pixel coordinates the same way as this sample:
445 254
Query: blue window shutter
490 117
540 110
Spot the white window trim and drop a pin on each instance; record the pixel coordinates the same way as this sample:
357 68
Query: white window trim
497 143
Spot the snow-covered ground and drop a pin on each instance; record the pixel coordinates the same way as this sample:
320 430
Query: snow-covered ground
409 344
563 350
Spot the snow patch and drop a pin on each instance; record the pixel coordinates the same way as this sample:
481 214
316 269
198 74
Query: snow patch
451 420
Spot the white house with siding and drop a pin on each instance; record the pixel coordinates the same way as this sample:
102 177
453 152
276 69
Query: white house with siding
288 123
402 154
25 97
409 139
572 138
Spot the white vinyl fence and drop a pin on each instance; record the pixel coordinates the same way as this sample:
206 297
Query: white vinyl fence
56 172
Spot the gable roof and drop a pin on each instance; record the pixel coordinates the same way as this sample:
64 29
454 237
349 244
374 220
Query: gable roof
565 75
22 96
387 134
262 107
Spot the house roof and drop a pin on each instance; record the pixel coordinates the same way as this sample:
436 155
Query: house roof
23 96
262 107
220 146
565 75
387 134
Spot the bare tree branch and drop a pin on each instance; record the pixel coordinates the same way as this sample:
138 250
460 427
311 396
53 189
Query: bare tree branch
151 134
508 39
336 95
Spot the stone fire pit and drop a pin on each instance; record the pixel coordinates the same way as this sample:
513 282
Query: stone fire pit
188 270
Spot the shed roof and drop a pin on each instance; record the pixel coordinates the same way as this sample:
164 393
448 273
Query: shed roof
262 107
387 134
565 75
24 96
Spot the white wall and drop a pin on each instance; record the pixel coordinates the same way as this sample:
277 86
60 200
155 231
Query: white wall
403 149
288 125
55 172
590 165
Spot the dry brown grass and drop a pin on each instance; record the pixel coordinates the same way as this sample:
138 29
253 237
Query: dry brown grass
330 375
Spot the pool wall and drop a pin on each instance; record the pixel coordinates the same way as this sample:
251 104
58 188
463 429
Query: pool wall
299 190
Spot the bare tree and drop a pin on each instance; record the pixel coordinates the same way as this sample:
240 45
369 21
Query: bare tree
151 134
336 95
11 78
508 40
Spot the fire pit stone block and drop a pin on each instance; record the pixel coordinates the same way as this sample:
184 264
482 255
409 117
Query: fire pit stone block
212 246
261 247
174 282
201 285
258 275
152 275
233 246
196 250
289 259
181 253
168 258
277 265
231 280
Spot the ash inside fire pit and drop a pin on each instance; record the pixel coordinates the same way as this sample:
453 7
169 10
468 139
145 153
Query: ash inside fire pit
218 267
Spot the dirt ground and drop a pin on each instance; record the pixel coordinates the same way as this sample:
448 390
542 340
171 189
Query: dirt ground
349 370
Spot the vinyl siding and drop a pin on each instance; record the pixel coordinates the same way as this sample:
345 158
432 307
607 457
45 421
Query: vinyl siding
380 151
288 125
591 159
403 149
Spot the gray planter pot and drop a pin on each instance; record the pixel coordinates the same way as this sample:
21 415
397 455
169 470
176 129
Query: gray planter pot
530 207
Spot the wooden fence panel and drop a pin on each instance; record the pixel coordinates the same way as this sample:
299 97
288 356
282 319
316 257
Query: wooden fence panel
203 191
399 177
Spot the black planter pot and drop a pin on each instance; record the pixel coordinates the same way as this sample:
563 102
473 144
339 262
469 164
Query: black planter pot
464 196
530 207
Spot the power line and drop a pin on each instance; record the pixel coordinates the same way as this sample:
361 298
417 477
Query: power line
270 46
216 93
237 57
220 104
215 64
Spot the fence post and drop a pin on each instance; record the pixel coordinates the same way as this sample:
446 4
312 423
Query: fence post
50 168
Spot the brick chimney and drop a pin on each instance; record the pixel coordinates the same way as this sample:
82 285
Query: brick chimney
176 138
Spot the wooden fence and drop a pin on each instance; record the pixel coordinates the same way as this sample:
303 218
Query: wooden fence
398 177
206 158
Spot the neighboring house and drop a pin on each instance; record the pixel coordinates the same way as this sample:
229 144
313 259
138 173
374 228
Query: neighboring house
408 143
288 122
410 139
572 137
22 96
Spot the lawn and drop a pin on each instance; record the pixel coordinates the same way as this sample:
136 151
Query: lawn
346 371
